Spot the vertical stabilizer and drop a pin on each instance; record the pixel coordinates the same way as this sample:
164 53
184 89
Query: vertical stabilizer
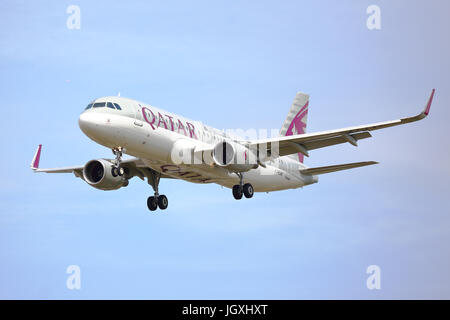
296 119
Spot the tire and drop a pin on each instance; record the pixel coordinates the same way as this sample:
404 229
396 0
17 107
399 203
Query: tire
114 172
152 203
248 190
121 171
163 202
237 192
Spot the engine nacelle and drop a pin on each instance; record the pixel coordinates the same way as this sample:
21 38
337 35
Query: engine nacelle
97 173
233 156
230 155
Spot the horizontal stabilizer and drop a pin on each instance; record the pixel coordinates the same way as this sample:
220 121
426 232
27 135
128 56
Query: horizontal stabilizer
339 167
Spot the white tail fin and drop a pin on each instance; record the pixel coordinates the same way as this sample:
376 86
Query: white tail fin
296 119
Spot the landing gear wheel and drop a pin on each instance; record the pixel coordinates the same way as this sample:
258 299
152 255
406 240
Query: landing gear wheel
152 203
120 171
114 172
248 190
237 192
157 200
163 203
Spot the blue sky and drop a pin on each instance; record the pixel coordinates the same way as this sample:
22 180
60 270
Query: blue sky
231 65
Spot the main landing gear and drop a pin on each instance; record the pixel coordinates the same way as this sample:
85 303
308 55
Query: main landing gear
117 170
242 189
153 202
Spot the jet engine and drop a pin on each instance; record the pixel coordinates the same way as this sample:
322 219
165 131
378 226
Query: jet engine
230 155
233 156
97 173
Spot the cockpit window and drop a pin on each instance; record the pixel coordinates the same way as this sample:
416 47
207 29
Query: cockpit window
99 105
110 105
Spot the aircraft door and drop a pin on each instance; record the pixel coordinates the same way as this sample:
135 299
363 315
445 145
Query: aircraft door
138 115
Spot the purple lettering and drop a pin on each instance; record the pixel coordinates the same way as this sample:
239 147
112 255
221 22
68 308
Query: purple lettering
180 126
144 113
191 130
171 122
161 119
170 167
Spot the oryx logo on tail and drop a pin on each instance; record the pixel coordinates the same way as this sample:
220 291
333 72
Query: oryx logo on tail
296 119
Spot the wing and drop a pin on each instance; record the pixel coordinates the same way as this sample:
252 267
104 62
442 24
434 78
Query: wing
135 166
35 165
304 142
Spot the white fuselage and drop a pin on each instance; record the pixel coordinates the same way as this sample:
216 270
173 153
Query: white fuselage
150 134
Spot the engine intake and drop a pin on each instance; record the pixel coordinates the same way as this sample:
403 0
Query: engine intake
233 156
223 153
97 173
227 154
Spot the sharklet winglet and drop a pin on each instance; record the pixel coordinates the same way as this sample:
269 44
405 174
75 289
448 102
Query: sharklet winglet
37 156
426 111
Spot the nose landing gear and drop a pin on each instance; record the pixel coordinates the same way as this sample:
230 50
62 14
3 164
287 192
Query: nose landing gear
153 202
242 189
117 170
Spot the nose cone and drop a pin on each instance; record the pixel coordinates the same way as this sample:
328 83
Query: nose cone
98 126
95 125
86 122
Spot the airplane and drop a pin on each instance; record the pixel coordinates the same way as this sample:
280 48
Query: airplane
166 145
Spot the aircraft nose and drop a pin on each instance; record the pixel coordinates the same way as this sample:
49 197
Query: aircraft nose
98 127
85 122
92 124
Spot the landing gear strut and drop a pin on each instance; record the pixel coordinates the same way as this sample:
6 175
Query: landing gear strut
242 189
153 202
117 170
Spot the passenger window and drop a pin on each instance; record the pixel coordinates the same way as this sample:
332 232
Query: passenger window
110 105
89 106
99 105
117 106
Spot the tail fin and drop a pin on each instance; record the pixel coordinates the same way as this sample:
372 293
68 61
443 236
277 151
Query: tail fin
296 119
